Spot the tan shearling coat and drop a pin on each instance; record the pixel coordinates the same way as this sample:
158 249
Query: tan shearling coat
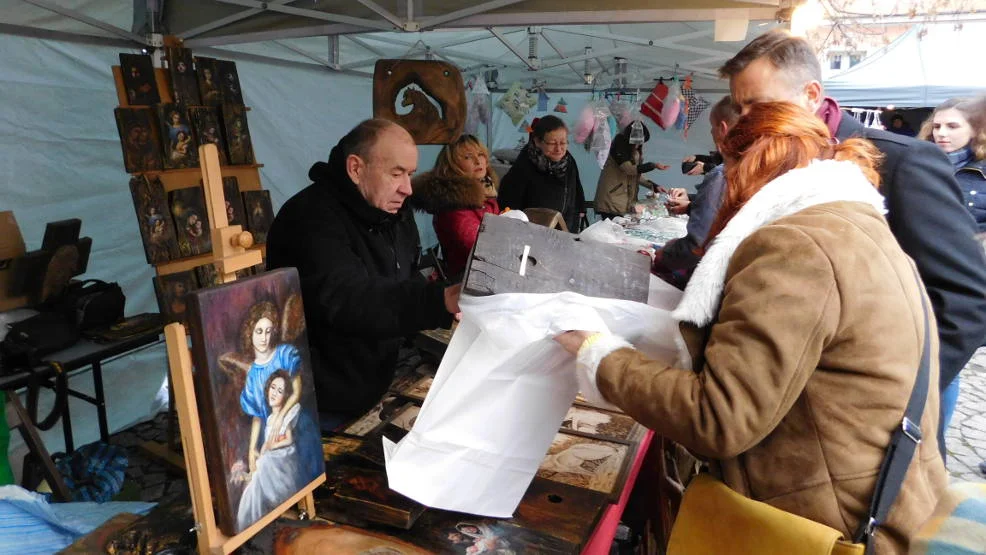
814 330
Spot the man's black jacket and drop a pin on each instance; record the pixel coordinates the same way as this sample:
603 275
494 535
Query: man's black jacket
359 282
926 215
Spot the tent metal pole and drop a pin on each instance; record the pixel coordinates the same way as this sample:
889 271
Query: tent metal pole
384 13
465 12
78 16
312 14
364 45
228 20
78 38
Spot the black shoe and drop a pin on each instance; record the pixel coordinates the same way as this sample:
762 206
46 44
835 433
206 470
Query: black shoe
982 467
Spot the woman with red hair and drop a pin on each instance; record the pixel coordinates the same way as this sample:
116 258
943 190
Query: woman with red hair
805 323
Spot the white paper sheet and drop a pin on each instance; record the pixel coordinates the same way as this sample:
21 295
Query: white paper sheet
501 393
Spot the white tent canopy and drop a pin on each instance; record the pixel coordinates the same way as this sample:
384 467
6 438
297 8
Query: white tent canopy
544 40
922 68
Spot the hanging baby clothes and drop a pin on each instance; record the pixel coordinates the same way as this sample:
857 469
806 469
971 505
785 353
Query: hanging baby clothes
561 107
654 104
696 104
672 105
516 103
542 101
477 105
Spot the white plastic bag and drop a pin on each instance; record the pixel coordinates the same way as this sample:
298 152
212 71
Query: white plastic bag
501 393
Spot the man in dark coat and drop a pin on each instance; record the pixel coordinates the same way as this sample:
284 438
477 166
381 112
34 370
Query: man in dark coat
924 202
356 248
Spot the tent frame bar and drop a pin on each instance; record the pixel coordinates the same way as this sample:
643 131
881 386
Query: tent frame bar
78 16
311 14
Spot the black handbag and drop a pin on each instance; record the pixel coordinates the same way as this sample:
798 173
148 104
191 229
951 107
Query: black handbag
28 341
91 303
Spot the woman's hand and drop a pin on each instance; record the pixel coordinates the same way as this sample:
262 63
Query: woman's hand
572 340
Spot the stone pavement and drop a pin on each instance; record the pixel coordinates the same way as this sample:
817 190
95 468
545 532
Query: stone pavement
966 437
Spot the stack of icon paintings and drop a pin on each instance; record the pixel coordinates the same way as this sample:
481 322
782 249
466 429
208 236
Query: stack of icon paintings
206 106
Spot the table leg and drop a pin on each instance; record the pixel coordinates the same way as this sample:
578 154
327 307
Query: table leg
66 417
97 380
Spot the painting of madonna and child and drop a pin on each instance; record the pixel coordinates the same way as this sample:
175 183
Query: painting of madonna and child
256 398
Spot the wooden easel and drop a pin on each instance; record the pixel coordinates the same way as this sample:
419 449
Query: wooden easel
229 244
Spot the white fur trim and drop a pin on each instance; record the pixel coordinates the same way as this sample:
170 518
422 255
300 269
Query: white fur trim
587 366
821 182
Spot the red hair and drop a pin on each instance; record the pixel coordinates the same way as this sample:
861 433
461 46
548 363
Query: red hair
773 139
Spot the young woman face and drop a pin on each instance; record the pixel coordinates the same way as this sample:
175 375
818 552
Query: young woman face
951 130
554 145
472 161
275 393
261 336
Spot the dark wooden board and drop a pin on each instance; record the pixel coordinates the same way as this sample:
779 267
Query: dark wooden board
362 495
556 262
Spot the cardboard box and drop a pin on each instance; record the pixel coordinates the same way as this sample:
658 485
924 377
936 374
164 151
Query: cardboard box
11 247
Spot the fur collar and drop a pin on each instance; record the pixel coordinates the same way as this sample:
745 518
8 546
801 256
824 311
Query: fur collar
438 194
821 182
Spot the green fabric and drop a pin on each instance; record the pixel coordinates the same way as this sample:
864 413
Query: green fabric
6 476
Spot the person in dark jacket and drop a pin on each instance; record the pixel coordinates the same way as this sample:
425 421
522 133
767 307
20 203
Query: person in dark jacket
545 175
356 248
924 202
623 174
458 192
958 127
676 260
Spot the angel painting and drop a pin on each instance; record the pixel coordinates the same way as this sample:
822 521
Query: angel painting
270 396
267 439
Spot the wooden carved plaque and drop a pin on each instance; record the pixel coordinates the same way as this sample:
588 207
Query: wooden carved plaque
425 97
512 256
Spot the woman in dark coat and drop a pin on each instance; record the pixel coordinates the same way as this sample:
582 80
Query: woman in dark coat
458 192
545 175
958 126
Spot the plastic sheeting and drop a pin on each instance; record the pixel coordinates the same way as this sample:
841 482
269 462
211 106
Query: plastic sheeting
503 389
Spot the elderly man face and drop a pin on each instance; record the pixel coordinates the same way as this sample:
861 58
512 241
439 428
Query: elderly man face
384 176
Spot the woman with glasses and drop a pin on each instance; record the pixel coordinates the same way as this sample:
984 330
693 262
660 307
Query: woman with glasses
545 175
458 192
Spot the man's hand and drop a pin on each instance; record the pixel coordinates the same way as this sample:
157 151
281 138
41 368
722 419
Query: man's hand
678 201
697 169
572 340
452 298
661 166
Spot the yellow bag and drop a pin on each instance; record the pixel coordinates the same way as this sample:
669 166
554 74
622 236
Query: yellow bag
715 519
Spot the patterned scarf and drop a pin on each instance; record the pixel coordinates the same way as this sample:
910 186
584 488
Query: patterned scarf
544 165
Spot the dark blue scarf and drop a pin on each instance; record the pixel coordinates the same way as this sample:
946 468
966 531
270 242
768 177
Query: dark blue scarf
960 158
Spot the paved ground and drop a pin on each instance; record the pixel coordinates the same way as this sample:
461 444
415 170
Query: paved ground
966 437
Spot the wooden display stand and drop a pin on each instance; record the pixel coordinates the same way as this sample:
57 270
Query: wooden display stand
248 179
229 253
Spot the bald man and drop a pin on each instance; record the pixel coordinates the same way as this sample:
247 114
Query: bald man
356 248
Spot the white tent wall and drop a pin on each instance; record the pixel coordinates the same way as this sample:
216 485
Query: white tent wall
60 158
